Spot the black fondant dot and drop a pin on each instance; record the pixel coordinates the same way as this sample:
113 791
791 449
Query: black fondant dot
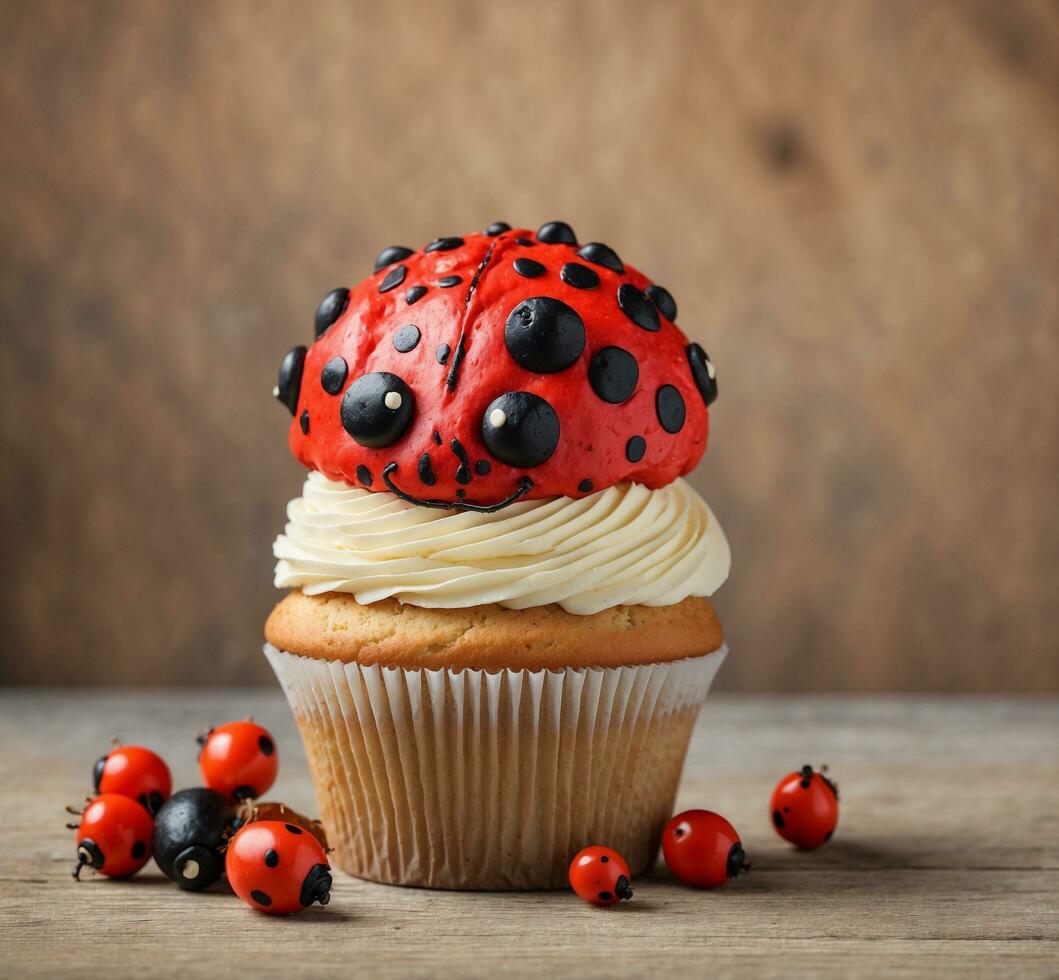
393 278
406 338
266 745
443 244
579 276
139 849
445 282
292 829
635 448
389 255
585 486
443 353
331 307
543 334
426 471
414 294
669 407
482 467
333 376
288 388
663 299
556 233
638 307
365 415
529 433
364 475
497 228
603 255
303 421
603 859
613 374
529 268
528 242
463 471
699 362
271 857
261 898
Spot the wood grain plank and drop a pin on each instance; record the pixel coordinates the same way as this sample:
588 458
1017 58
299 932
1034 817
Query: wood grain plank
946 860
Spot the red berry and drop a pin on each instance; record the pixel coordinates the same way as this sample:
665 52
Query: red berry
278 867
600 876
135 772
805 808
703 849
239 760
114 836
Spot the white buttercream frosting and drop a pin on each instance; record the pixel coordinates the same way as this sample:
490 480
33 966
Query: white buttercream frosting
625 545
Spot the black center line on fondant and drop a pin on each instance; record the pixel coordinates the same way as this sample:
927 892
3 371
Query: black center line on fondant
457 357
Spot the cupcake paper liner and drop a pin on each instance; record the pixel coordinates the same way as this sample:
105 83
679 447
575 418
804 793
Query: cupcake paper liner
475 780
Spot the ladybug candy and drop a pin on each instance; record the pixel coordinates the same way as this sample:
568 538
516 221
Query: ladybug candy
135 772
113 836
191 831
497 366
703 849
278 867
600 876
238 760
804 808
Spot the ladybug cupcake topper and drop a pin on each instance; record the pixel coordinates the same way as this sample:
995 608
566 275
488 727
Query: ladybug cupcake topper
498 366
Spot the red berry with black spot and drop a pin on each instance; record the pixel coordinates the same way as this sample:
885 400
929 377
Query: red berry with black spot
278 867
135 772
703 849
600 876
113 837
804 808
238 760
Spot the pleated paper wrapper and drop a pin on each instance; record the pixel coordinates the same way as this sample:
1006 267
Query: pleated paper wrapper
475 780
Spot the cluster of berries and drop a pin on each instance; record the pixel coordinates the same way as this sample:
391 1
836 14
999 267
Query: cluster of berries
275 859
703 850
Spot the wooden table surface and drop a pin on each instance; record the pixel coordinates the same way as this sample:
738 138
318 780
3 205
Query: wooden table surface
946 859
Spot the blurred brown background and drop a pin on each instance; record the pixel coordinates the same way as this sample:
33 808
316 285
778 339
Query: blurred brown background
855 204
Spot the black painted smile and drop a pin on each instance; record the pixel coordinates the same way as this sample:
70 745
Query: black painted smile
524 487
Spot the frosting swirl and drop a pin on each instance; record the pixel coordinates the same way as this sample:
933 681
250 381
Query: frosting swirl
625 545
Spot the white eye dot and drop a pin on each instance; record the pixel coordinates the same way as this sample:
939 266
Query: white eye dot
392 400
711 370
497 418
275 392
190 871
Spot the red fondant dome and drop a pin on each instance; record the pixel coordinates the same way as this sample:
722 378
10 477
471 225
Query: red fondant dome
495 366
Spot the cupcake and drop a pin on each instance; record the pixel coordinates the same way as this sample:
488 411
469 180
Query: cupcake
498 634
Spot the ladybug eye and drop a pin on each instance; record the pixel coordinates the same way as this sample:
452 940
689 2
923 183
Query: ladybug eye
377 409
520 429
288 388
703 372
